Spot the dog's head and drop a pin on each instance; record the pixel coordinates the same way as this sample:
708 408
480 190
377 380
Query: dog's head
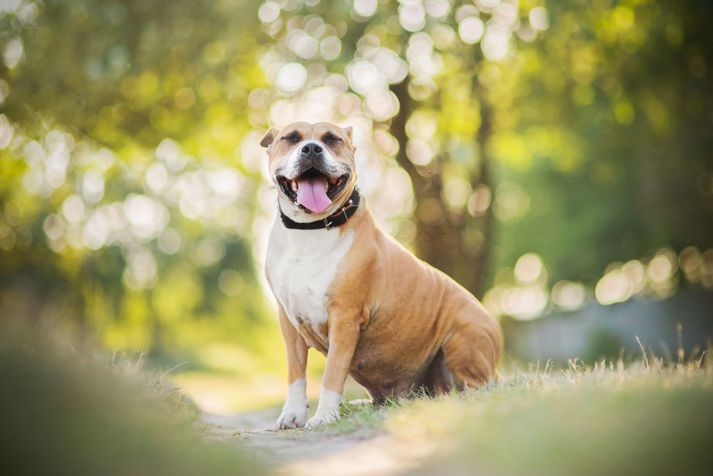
312 166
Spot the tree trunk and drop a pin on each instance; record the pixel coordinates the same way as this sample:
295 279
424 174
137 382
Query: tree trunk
481 259
441 233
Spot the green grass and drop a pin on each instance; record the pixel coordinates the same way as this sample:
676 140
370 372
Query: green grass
71 412
363 417
644 418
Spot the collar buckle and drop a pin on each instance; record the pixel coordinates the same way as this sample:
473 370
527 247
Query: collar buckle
328 225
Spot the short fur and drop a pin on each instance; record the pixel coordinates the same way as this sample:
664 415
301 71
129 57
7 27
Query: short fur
379 314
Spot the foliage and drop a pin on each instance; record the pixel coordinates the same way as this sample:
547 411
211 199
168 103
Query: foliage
119 201
69 413
609 109
538 150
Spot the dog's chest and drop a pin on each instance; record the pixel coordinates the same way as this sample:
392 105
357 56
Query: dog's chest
301 266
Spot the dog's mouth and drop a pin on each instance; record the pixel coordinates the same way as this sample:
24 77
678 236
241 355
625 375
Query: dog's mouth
312 190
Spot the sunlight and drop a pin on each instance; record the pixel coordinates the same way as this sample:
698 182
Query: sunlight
568 295
471 30
529 269
412 15
551 157
365 8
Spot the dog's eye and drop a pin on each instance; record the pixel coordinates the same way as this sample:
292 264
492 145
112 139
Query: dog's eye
331 139
292 138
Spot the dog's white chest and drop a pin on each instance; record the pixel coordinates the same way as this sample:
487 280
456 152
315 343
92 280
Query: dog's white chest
301 265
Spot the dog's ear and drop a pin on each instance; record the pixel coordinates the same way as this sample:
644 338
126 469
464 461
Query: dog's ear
269 137
349 131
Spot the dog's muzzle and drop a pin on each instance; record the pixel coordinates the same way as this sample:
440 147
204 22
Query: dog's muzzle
314 180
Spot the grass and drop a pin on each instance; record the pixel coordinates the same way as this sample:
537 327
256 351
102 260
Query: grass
69 412
355 417
66 411
644 418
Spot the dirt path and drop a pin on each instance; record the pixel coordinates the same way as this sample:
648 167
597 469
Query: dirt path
316 453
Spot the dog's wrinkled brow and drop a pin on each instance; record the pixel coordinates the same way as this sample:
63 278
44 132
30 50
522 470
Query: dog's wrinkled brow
329 135
295 134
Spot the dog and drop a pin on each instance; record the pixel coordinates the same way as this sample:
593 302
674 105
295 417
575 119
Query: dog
345 288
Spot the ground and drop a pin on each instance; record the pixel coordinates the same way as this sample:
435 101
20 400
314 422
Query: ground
354 448
643 418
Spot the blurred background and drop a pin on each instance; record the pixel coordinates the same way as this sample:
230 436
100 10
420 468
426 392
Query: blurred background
552 156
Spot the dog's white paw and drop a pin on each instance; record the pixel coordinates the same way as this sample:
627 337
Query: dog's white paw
319 420
327 410
293 416
294 412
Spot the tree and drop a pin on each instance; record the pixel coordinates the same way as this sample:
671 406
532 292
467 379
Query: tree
430 57
123 206
607 134
492 135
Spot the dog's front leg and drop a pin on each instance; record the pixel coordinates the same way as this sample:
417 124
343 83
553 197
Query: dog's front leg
343 338
294 412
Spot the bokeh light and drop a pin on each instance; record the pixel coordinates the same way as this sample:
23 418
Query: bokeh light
510 143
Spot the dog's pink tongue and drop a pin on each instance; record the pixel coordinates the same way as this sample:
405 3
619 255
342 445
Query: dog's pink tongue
312 194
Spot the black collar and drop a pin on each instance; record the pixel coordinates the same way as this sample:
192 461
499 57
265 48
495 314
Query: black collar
338 218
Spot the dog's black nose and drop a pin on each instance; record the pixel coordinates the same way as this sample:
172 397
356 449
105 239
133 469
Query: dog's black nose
311 149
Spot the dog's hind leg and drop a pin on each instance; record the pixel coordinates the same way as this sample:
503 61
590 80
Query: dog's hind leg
472 352
438 379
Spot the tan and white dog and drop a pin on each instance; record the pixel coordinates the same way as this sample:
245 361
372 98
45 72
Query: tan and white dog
345 288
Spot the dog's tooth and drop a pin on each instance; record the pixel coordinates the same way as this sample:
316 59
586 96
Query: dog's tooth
293 184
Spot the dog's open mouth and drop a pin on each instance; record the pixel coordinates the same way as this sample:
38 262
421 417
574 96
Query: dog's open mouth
313 190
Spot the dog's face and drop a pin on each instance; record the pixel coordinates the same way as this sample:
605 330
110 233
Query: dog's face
312 166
